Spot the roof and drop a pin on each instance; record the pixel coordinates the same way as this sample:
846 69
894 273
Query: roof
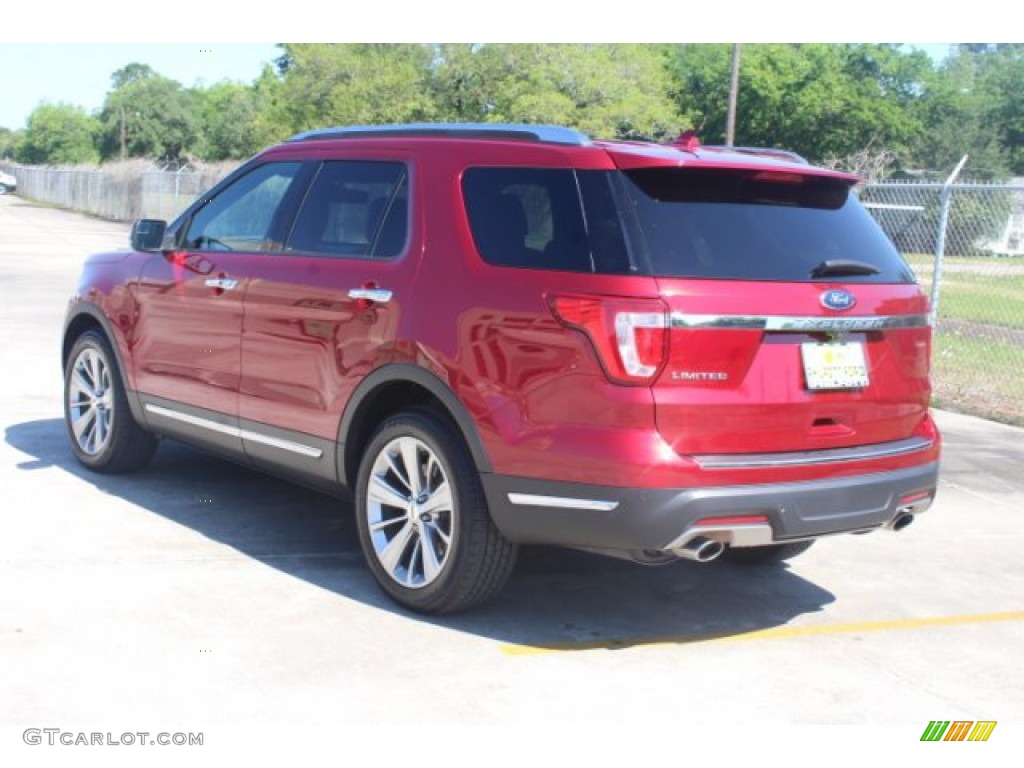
624 154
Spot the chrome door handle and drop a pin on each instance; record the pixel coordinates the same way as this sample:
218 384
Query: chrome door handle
376 295
224 283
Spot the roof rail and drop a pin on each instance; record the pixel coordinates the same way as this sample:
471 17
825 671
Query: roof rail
769 151
545 134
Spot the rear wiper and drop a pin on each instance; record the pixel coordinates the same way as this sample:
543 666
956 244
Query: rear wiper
843 267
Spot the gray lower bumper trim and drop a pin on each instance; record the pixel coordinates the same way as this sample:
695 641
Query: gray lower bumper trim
654 518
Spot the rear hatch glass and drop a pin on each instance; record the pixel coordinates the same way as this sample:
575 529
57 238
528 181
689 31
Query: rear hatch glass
757 225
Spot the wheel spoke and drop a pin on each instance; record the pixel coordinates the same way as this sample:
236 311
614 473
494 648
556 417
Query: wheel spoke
101 427
440 533
385 523
90 436
80 424
429 473
382 492
417 553
402 476
391 555
431 564
91 363
410 457
81 386
440 500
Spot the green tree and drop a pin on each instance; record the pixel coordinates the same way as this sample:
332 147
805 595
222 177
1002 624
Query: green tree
1001 85
606 90
817 99
131 73
149 115
462 82
59 134
8 142
959 122
271 123
353 84
231 124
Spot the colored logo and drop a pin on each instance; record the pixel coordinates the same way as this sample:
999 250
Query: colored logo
837 299
958 730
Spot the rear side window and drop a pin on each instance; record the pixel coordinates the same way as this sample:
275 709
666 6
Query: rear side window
756 225
354 208
527 217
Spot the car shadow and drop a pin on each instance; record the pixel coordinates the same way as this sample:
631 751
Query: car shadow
557 599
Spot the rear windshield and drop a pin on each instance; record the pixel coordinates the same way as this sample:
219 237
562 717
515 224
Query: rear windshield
756 225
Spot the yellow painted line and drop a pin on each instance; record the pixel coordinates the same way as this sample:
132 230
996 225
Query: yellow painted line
776 633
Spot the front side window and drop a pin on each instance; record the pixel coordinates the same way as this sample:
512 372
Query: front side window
354 208
241 217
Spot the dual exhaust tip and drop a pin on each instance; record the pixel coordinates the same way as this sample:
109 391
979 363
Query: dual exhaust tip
703 550
902 520
700 549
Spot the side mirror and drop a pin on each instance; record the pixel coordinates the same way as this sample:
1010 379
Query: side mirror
148 234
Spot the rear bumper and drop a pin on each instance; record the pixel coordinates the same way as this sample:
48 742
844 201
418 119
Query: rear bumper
613 518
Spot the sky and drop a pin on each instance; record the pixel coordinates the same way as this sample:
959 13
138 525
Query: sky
79 73
66 50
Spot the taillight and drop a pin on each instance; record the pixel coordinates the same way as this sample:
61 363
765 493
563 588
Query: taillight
630 336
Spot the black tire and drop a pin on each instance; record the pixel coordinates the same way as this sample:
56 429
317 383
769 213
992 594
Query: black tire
112 441
768 555
461 572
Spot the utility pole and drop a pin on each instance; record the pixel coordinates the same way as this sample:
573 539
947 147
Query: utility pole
734 89
122 132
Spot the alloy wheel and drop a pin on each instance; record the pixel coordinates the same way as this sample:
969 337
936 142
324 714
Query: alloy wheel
91 401
410 512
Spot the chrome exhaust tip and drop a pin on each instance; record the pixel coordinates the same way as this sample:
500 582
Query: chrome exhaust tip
701 549
901 521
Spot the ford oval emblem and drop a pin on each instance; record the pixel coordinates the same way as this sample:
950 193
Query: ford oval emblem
838 300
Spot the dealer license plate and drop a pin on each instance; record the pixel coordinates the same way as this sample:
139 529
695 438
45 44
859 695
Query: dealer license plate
836 365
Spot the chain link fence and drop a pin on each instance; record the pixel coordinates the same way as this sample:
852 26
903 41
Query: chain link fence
120 192
111 196
965 242
165 194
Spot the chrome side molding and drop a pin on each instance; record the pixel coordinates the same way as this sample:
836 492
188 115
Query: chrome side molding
227 429
796 323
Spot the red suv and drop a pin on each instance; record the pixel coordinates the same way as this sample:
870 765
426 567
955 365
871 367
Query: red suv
497 335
